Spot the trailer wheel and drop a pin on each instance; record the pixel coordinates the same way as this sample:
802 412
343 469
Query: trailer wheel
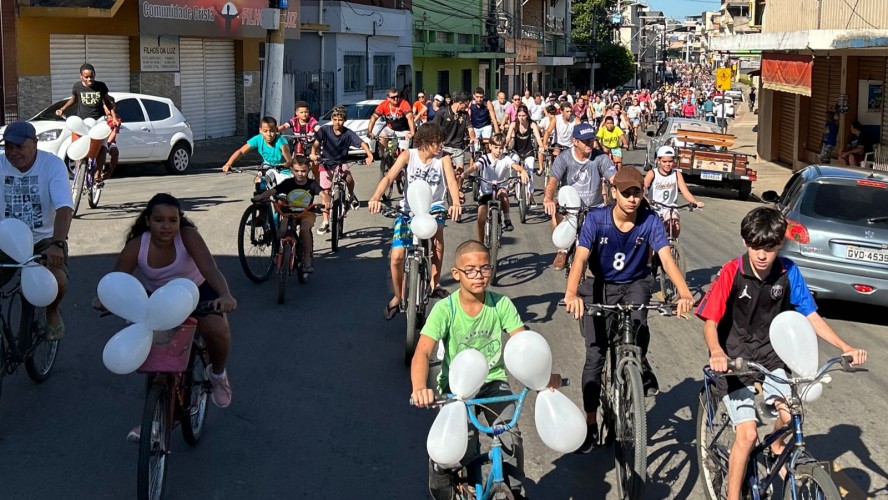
745 189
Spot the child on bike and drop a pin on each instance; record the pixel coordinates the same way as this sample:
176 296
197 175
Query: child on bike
612 137
273 148
472 318
747 294
496 166
427 162
300 192
662 184
334 141
616 242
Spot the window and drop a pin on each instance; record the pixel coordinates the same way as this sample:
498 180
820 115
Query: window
443 82
353 73
417 81
157 110
419 36
382 72
443 37
464 39
466 80
130 111
843 201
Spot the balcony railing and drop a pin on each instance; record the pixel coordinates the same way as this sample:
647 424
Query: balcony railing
532 32
555 24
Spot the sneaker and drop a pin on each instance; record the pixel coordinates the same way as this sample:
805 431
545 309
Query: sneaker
134 435
355 204
507 226
324 228
221 394
533 202
560 260
591 441
649 380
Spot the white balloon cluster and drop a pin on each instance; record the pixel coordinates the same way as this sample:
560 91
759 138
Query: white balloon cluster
559 422
564 235
88 130
419 197
167 308
794 340
38 284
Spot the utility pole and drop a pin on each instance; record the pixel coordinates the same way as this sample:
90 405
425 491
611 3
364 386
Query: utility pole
593 47
369 87
273 79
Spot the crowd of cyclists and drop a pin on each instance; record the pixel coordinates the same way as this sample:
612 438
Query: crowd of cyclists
570 140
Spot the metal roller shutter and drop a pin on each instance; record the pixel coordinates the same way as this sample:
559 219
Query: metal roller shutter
787 120
108 54
826 85
207 78
871 68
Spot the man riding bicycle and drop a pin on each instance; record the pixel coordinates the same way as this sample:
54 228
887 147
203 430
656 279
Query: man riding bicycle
454 120
662 185
482 115
561 127
398 114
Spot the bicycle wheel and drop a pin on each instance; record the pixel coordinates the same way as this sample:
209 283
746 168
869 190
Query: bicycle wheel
679 262
522 202
154 443
197 397
95 194
40 353
493 239
501 492
384 164
78 184
284 271
298 263
631 438
411 291
335 222
256 240
715 436
812 481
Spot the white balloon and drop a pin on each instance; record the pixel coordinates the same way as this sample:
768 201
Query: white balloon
16 239
39 285
565 233
467 374
127 349
191 287
89 122
794 340
123 295
79 148
529 359
99 131
559 422
419 196
568 197
424 226
449 435
168 307
76 125
811 392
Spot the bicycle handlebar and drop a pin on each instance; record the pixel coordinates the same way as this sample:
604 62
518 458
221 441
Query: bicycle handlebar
499 184
255 168
740 366
595 309
689 206
34 258
442 400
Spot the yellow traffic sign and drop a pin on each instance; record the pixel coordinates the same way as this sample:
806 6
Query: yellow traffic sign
723 78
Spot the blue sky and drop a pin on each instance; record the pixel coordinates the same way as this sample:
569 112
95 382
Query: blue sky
681 8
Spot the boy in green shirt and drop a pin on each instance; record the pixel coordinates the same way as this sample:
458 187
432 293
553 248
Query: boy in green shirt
473 318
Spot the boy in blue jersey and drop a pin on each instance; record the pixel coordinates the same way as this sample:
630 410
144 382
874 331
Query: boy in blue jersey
616 242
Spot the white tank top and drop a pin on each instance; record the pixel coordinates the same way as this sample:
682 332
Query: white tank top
664 189
431 172
563 131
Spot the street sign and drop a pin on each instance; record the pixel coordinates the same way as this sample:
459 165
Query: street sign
723 78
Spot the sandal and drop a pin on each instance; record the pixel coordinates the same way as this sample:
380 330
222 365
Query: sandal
56 332
390 311
308 269
439 293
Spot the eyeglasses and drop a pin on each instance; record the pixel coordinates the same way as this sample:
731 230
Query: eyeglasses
516 98
394 97
420 97
473 272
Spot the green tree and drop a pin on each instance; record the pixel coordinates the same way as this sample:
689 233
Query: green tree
591 25
617 65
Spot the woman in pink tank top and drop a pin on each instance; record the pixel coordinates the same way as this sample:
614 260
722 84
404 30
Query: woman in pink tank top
163 245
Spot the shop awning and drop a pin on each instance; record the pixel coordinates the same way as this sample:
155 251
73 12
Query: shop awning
787 73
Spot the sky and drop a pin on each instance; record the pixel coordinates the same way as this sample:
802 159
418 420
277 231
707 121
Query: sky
681 8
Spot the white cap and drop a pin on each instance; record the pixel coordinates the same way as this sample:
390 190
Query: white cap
439 98
665 151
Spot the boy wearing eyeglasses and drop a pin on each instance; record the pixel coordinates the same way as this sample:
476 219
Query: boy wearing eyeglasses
399 119
472 318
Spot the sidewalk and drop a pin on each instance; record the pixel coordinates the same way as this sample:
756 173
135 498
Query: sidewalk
771 176
213 153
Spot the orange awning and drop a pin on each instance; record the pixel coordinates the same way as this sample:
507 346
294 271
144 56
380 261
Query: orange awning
787 73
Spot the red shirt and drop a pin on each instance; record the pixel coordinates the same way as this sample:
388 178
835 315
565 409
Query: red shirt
395 115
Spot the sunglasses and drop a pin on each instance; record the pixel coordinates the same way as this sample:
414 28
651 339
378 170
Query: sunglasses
394 97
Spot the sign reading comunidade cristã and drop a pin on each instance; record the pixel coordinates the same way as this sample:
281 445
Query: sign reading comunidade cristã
213 18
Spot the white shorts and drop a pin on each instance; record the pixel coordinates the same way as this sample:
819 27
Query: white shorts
484 132
390 132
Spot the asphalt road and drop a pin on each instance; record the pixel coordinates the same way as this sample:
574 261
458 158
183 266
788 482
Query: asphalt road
320 392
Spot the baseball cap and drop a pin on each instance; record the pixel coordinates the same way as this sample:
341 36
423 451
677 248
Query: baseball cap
439 98
628 177
583 132
665 151
19 132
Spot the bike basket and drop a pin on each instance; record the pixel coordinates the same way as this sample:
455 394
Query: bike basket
170 349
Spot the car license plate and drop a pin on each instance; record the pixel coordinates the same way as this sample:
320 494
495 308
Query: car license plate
711 176
867 255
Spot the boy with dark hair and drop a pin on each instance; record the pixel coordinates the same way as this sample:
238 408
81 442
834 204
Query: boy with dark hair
273 148
747 294
302 124
472 318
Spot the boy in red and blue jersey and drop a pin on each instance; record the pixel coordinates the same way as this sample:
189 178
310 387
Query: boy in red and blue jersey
747 294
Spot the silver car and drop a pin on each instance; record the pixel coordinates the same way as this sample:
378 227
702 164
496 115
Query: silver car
838 231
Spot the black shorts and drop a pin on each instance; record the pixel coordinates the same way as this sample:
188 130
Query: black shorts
485 198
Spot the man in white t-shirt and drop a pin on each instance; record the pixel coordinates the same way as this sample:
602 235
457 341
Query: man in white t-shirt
35 190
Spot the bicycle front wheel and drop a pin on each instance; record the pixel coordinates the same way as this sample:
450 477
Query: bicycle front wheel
298 263
154 443
78 184
194 416
522 202
493 240
335 222
95 194
715 436
411 291
256 243
631 439
42 353
501 492
284 272
811 481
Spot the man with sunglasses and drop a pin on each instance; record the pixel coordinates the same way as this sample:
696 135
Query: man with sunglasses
420 109
582 167
616 241
398 115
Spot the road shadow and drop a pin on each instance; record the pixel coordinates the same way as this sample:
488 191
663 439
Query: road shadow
130 209
517 269
844 438
672 457
576 477
698 279
854 312
525 302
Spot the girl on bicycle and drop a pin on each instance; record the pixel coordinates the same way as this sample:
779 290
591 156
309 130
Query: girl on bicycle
163 245
525 137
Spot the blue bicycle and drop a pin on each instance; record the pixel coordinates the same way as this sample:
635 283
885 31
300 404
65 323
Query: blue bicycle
806 478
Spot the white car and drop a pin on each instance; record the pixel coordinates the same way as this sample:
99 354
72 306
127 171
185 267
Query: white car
357 118
729 104
152 129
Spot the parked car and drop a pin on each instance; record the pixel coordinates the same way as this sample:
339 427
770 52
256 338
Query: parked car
838 231
729 104
357 118
152 130
735 94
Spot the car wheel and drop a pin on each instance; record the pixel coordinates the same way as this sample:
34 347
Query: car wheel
180 158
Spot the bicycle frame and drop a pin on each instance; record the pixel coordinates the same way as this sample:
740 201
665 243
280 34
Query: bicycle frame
16 351
418 255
